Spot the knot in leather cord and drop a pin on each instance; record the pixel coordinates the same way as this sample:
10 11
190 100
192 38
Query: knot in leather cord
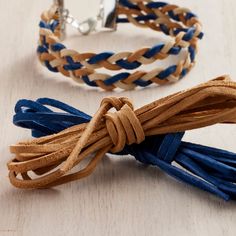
123 126
52 158
117 103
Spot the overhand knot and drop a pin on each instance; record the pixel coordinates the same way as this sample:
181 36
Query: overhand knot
123 126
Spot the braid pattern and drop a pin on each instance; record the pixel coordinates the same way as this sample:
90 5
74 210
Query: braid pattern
176 22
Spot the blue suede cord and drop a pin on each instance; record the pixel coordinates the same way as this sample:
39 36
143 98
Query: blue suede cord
209 169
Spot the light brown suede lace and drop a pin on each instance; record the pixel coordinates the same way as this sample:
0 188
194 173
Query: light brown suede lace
52 158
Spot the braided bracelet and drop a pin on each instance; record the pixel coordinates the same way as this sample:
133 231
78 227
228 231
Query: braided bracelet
179 23
152 134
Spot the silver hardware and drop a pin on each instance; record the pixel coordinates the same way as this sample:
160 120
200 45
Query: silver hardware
107 16
84 27
61 8
108 13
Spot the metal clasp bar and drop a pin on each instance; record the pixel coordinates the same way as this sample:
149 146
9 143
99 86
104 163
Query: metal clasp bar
107 15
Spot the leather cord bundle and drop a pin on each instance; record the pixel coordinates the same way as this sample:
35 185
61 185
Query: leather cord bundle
152 134
179 23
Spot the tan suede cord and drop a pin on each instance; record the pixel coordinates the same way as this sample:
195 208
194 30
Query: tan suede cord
50 159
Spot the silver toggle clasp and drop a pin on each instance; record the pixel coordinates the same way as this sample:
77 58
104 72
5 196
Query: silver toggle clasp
107 15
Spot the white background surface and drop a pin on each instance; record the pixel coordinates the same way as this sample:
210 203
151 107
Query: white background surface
122 197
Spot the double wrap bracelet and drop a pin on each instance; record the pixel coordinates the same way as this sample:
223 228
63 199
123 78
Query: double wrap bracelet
152 134
179 23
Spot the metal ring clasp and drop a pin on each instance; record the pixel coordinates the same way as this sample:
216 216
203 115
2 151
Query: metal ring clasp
107 14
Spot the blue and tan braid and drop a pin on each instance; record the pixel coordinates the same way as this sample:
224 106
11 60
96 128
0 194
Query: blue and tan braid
179 23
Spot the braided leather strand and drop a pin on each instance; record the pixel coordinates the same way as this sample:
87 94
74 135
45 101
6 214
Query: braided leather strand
152 134
179 23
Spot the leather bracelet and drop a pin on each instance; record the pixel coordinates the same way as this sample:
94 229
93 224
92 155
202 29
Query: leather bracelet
152 134
179 23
